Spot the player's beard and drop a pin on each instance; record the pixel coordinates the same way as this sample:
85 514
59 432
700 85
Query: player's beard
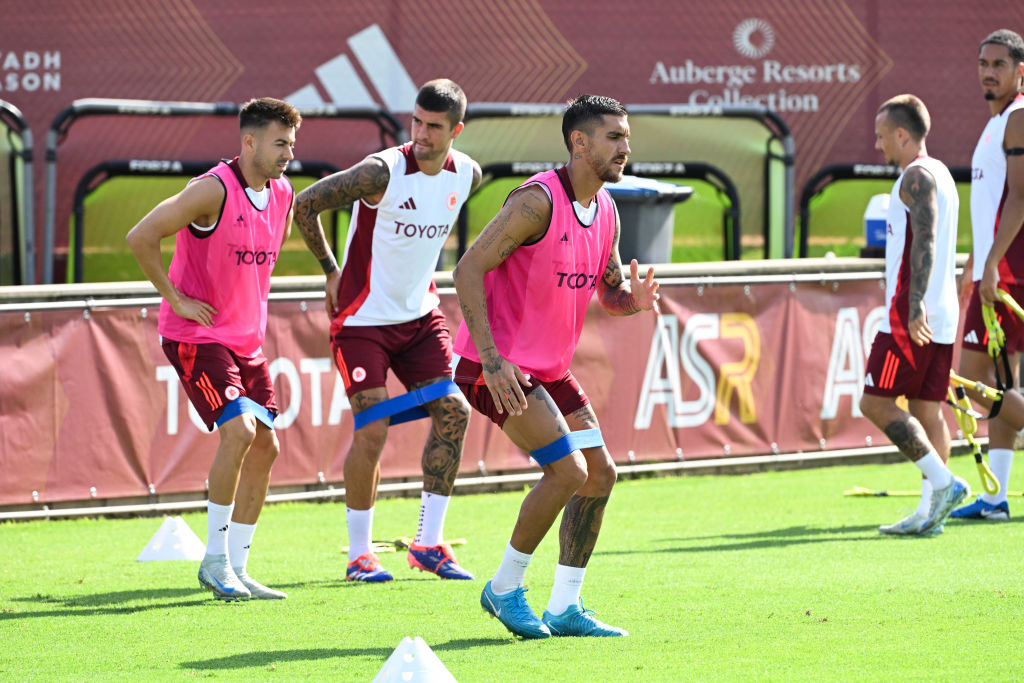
610 173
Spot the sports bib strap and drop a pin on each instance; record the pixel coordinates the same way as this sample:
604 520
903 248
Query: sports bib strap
406 407
244 404
558 449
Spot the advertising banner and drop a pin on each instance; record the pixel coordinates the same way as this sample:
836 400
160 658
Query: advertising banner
91 408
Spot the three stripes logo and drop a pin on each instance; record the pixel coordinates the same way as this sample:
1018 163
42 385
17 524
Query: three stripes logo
209 393
971 337
409 204
889 368
869 381
337 81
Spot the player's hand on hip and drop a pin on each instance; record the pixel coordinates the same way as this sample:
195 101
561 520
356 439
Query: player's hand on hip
505 381
194 309
989 285
331 287
645 292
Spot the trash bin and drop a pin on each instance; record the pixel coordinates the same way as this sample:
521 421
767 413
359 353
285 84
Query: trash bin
647 217
875 223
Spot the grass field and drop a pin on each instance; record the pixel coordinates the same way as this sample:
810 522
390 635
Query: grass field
768 576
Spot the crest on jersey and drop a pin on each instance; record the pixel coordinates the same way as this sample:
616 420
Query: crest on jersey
358 374
231 393
453 200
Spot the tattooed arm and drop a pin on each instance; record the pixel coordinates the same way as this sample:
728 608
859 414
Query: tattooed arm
616 295
523 219
366 180
917 191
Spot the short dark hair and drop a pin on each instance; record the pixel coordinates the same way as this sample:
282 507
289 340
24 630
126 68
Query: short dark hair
586 110
257 113
1008 39
443 95
909 113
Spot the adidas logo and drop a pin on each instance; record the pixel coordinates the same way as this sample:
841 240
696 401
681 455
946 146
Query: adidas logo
409 204
223 528
869 381
565 237
342 85
971 337
240 220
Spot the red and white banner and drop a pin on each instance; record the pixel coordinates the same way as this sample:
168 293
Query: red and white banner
90 407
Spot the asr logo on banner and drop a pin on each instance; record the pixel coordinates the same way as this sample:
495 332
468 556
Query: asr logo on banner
663 381
850 348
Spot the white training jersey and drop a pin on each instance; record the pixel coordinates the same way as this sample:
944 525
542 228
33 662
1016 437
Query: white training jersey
392 247
940 300
988 193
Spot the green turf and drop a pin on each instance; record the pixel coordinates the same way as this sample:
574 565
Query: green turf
766 576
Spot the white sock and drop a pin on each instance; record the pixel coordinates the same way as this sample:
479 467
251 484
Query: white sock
511 571
239 540
433 507
566 591
360 528
218 521
925 504
999 461
934 469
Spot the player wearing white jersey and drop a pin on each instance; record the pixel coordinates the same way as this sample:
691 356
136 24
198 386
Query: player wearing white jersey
383 307
997 211
913 352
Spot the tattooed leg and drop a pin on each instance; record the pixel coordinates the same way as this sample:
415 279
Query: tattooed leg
449 416
905 432
581 523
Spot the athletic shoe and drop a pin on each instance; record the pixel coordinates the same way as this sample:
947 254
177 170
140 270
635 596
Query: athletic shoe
367 568
512 610
979 509
257 589
438 560
908 526
943 502
216 576
578 621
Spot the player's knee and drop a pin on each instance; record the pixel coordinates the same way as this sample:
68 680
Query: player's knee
603 475
570 473
265 447
239 431
454 410
369 440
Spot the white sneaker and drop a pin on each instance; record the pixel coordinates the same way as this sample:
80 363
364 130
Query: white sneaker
257 589
907 526
944 500
217 577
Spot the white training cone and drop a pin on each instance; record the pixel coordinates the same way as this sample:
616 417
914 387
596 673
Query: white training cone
413 662
174 540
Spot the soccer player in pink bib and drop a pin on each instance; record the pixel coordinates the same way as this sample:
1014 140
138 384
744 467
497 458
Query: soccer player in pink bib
383 306
229 224
524 287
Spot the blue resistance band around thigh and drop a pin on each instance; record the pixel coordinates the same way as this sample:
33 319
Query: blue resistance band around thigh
558 449
406 407
244 404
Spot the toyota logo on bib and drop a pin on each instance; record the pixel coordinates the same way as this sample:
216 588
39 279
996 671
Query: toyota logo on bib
231 393
453 199
358 374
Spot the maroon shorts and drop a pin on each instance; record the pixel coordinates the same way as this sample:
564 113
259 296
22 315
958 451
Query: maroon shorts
924 376
976 335
565 391
213 376
415 351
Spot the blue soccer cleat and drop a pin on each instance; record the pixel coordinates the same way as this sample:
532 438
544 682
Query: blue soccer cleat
979 509
438 560
578 621
512 610
367 568
943 501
